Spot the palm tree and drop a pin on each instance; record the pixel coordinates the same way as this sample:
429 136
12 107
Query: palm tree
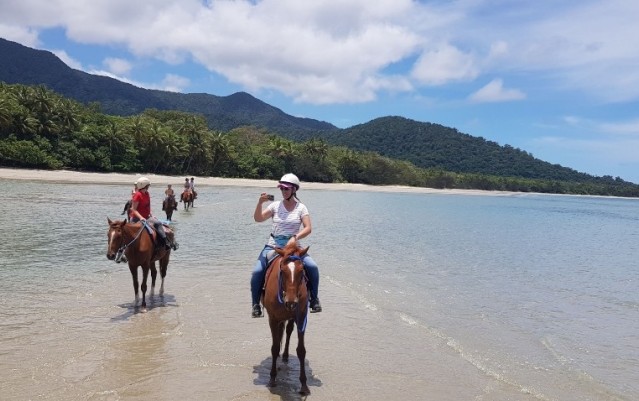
220 147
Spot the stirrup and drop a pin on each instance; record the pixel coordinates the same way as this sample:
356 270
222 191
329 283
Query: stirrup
316 307
257 311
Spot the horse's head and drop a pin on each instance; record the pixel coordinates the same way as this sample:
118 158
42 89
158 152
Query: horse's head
115 237
292 276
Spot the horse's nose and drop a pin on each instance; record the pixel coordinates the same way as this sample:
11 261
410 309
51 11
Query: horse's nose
291 305
110 255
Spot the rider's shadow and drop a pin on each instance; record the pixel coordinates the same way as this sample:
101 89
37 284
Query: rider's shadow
153 301
288 378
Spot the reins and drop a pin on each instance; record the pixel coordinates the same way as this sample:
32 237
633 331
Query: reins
120 253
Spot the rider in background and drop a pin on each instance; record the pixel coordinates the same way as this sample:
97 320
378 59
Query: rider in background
169 192
291 223
187 188
127 205
141 211
192 187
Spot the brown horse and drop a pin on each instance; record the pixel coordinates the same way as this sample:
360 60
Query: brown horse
286 301
187 198
169 205
134 240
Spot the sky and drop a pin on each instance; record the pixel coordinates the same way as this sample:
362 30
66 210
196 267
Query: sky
556 78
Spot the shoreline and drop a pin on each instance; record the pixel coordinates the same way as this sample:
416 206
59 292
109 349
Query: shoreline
69 176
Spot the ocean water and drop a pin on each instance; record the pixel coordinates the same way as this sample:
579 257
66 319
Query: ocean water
426 297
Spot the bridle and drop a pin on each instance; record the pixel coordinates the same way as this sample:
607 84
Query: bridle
280 278
120 252
300 319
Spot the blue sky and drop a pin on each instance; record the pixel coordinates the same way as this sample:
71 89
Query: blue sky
556 78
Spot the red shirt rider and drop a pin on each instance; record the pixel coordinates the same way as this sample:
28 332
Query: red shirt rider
144 204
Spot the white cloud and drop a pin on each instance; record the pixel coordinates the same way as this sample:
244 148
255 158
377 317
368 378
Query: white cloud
630 128
494 91
175 83
444 65
336 51
117 66
16 33
68 60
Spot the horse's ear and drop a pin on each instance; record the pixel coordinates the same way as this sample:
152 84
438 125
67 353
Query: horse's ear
303 251
109 220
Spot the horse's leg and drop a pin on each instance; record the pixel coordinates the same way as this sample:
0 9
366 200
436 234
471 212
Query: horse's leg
301 355
164 265
289 329
277 330
154 274
145 275
134 275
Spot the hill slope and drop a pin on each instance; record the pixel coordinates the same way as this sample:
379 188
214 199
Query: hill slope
26 66
430 145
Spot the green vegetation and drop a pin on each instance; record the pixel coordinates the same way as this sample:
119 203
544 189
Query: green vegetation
41 129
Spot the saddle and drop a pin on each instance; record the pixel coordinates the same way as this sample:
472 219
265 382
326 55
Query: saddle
270 258
158 245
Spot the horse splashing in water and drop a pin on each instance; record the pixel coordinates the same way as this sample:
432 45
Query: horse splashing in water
135 241
286 302
169 205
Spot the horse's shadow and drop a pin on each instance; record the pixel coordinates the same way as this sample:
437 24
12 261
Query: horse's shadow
288 378
152 301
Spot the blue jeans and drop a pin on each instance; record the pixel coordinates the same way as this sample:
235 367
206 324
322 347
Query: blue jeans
259 273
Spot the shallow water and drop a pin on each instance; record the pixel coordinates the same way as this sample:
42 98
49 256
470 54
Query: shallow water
442 297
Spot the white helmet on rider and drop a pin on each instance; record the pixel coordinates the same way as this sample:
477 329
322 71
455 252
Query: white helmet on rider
289 180
142 182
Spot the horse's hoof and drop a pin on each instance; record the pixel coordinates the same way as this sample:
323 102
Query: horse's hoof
305 390
271 383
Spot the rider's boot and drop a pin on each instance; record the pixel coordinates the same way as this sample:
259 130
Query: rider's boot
257 311
316 306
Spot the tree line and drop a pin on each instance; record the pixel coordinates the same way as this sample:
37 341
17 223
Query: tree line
41 129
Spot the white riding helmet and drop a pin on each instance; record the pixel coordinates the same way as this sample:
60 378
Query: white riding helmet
290 179
142 182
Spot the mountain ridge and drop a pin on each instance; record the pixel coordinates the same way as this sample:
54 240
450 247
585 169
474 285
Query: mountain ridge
425 144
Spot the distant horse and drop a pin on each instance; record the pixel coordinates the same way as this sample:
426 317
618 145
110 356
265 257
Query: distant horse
286 302
187 198
169 205
135 241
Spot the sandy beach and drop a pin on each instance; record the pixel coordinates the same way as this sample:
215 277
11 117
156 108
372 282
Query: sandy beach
122 178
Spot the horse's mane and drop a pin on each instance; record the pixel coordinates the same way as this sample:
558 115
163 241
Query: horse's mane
291 249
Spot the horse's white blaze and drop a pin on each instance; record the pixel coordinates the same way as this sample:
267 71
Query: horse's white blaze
111 239
291 267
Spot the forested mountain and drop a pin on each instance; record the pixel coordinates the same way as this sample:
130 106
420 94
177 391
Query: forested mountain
26 66
426 145
430 145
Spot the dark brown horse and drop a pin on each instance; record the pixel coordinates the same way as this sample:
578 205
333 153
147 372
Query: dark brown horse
169 205
134 241
187 198
286 301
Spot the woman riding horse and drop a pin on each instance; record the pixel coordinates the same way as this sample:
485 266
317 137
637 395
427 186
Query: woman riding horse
291 222
169 204
141 211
